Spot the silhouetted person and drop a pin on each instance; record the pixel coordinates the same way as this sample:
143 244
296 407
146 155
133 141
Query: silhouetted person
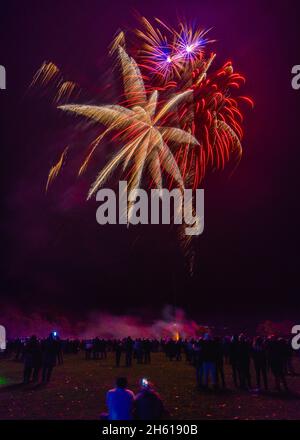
178 347
96 348
260 361
18 349
277 361
233 358
148 404
32 359
209 357
170 349
198 362
88 348
128 351
289 358
60 358
49 357
102 348
138 350
188 350
226 349
147 351
120 401
243 362
219 362
118 352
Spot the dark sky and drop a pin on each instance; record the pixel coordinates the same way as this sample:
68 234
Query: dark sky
55 256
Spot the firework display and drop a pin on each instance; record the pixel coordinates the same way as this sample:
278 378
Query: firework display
178 118
178 115
213 112
150 230
145 141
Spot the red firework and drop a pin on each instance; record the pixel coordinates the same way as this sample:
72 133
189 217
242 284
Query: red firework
175 61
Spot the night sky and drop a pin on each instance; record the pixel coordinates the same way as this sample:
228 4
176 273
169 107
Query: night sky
54 254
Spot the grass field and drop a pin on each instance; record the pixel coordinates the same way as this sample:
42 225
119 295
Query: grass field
78 387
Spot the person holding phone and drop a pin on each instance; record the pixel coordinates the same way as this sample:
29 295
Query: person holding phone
148 404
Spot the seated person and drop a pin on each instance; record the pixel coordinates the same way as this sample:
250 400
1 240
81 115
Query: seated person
120 401
148 404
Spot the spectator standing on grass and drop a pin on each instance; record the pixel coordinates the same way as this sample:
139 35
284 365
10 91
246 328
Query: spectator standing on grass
243 362
178 347
147 351
32 360
220 376
96 348
103 354
138 350
233 358
60 358
198 362
209 358
49 350
120 401
88 347
128 351
277 361
188 350
226 348
19 346
170 349
259 356
289 358
118 352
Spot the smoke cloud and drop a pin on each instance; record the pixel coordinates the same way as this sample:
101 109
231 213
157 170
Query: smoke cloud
173 323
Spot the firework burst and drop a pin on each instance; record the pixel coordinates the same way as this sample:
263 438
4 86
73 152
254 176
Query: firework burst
194 128
138 128
190 44
157 52
212 113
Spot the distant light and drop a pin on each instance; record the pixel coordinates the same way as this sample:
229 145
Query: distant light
169 59
145 382
189 49
54 334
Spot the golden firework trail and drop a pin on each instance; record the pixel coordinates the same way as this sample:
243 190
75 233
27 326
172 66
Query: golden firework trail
55 169
46 73
65 91
145 141
48 79
118 41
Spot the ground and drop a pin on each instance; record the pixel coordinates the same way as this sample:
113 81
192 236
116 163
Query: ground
78 387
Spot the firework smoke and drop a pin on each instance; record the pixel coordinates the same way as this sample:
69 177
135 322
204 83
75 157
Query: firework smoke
19 324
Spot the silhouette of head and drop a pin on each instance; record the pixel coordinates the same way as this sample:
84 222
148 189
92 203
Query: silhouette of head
121 382
242 337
